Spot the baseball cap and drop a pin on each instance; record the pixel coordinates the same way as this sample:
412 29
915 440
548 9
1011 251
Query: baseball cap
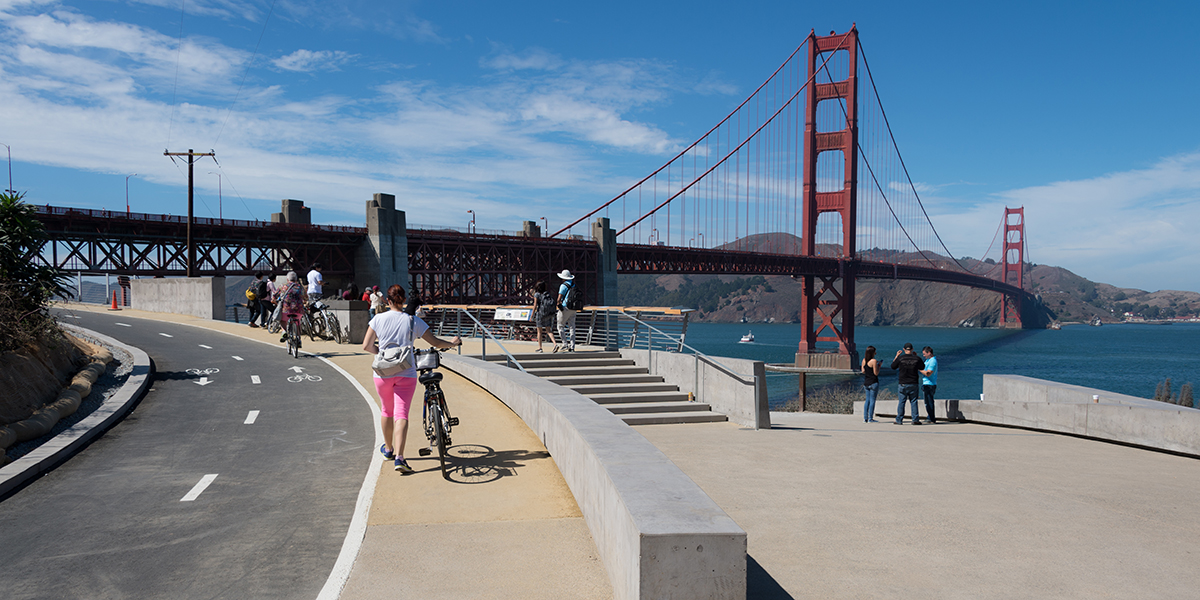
907 345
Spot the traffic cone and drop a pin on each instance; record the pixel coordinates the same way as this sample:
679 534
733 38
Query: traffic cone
114 304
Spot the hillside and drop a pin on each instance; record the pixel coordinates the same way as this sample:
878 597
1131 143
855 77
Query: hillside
1065 297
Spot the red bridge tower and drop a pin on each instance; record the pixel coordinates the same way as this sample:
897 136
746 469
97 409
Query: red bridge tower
823 305
1014 262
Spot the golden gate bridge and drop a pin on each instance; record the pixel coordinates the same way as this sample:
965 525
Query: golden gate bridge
804 178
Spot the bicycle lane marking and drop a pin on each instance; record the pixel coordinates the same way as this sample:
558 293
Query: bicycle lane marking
199 488
358 522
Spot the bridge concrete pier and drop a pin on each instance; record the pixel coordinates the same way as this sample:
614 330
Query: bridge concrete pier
606 270
382 259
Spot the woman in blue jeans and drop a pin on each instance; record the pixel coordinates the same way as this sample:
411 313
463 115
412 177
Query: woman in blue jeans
870 371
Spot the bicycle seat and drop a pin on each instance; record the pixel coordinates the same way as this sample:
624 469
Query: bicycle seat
430 377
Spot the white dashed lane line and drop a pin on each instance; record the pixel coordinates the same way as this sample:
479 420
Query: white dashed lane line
165 334
250 418
255 380
199 488
124 324
205 347
238 358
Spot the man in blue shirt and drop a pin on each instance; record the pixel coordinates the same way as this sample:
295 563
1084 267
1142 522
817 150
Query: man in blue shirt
566 316
929 381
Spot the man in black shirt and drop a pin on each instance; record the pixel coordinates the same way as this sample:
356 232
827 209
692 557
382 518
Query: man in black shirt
908 366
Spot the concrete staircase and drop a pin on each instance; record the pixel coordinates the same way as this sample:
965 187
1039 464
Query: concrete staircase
625 389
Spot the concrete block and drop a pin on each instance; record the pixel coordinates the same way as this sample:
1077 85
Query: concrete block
202 297
742 399
658 534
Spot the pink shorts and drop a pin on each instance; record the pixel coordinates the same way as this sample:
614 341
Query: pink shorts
396 394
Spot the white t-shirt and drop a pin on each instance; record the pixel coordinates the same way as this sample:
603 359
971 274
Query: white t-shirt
315 281
392 329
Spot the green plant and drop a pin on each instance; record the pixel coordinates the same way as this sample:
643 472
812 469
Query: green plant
26 288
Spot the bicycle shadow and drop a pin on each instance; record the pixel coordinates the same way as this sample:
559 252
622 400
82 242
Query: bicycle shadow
473 464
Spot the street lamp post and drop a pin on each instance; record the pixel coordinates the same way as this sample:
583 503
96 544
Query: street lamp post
9 190
471 225
220 214
127 191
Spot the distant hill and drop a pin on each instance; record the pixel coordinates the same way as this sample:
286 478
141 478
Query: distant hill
1065 296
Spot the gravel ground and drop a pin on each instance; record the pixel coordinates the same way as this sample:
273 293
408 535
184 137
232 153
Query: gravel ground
108 384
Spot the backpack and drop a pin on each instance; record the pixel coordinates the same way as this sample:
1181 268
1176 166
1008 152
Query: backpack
257 290
574 301
251 295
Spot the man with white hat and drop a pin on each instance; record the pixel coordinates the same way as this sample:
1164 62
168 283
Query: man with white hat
566 316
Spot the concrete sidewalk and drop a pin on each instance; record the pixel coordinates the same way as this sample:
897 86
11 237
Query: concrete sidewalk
506 526
838 508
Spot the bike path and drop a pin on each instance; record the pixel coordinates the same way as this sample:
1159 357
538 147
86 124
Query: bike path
192 495
505 526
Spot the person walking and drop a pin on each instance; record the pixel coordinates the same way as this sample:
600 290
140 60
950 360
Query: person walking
870 371
269 302
315 282
396 327
378 304
543 315
257 306
908 366
929 382
566 316
291 301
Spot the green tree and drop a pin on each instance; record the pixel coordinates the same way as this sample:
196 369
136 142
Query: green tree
26 287
1185 396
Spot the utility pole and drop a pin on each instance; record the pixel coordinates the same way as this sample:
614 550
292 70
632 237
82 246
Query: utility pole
191 245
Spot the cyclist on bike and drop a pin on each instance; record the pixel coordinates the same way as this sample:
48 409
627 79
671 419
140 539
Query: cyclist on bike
292 298
398 327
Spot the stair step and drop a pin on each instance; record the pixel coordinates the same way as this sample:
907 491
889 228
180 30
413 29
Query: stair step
498 356
657 407
607 399
623 388
673 418
576 363
581 371
590 379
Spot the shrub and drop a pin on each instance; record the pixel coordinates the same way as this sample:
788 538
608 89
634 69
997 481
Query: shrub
26 288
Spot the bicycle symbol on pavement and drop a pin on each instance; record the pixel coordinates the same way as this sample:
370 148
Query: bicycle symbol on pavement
208 371
303 377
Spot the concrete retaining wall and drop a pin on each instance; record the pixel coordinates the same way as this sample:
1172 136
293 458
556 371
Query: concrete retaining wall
202 297
658 533
1042 405
743 400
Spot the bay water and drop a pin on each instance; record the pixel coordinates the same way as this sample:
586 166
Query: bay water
1127 358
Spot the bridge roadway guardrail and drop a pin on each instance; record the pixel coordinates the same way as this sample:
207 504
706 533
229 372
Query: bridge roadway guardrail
658 534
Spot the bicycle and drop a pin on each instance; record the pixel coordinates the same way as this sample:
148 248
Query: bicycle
293 337
435 415
323 323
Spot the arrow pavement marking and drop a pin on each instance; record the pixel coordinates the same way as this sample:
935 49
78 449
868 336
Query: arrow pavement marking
205 347
199 488
255 380
238 358
203 381
165 334
250 418
121 324
297 369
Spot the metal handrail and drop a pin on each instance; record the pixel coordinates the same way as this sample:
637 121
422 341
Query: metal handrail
512 360
699 355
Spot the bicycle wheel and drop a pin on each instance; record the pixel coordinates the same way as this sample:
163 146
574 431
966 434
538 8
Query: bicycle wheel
335 329
293 338
317 327
273 326
439 425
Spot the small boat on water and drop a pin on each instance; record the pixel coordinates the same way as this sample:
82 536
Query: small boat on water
747 339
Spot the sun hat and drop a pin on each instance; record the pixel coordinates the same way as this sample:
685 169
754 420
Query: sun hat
566 274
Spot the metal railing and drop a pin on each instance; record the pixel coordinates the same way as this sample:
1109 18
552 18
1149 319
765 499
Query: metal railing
701 357
594 325
436 317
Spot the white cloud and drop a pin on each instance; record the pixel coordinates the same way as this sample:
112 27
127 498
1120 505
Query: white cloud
96 95
1130 229
308 60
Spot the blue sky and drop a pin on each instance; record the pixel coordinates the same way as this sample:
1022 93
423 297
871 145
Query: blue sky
1083 112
